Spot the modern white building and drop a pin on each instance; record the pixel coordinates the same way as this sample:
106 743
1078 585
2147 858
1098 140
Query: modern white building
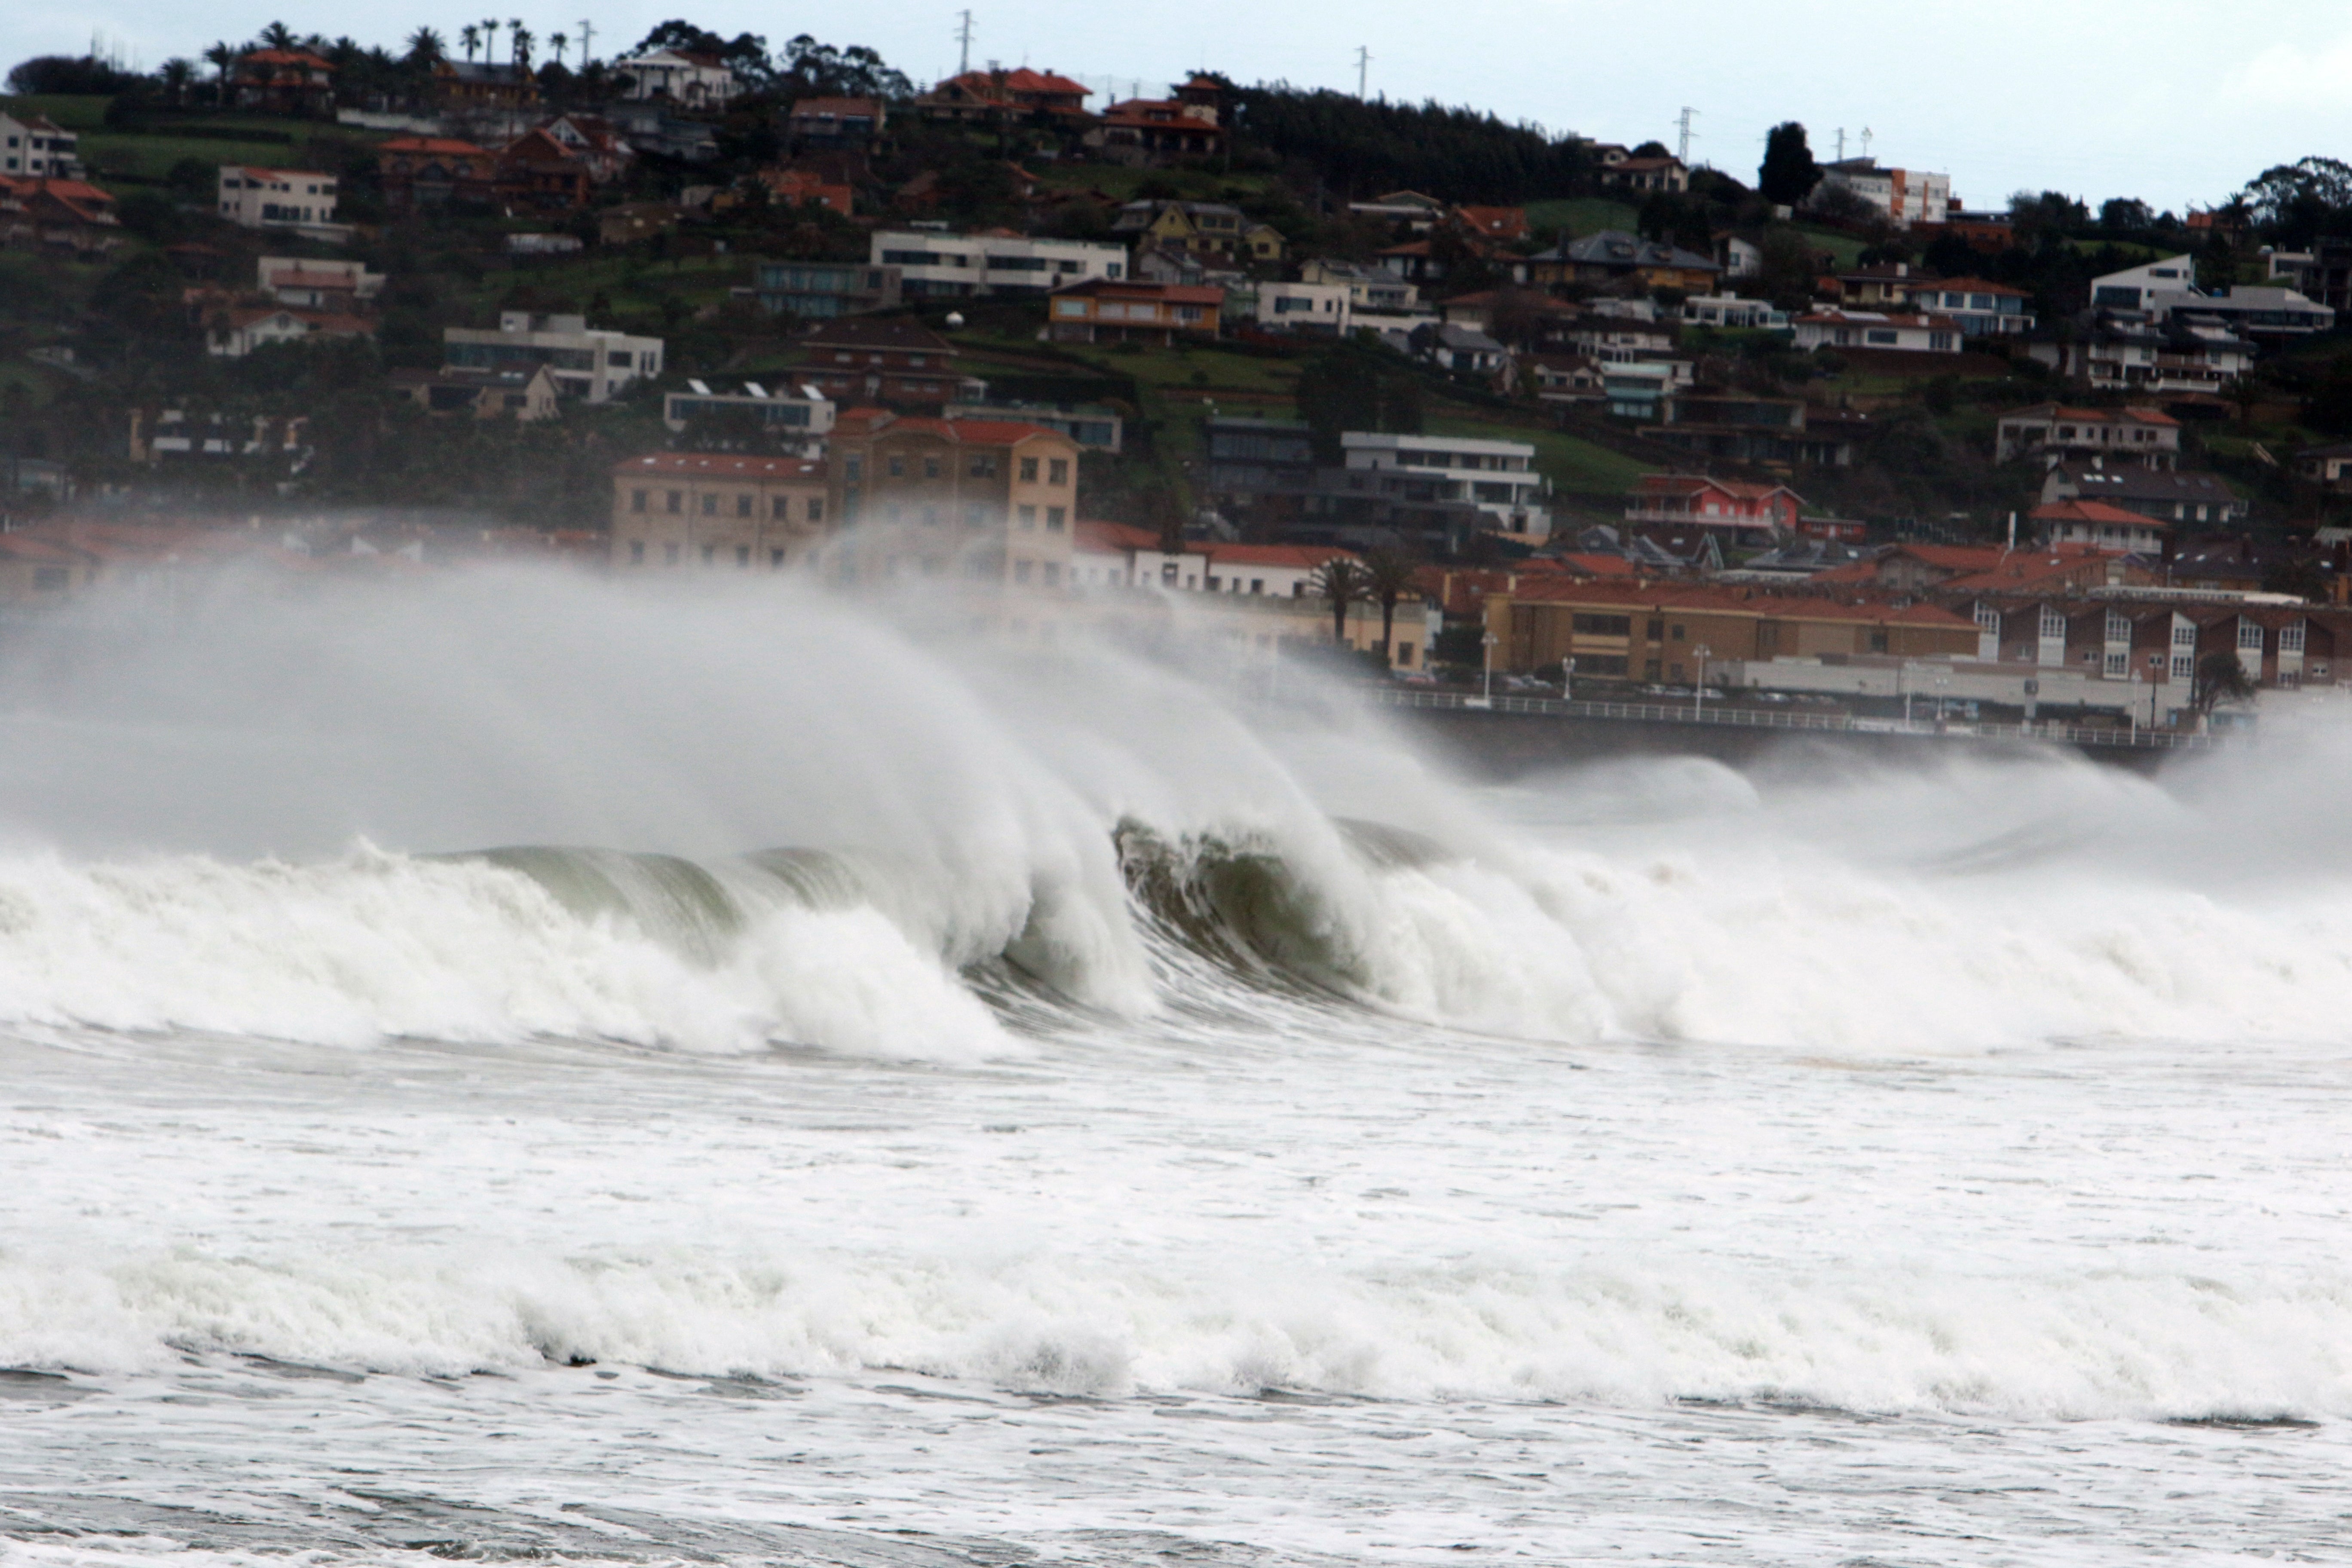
2165 290
1497 477
592 364
798 413
935 264
1905 195
1878 330
34 147
2135 288
1730 310
303 200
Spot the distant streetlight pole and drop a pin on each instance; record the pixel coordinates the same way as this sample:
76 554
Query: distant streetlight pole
1904 686
1493 642
1698 692
1567 681
2135 707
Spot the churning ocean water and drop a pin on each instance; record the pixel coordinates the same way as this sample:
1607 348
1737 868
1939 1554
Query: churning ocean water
510 1068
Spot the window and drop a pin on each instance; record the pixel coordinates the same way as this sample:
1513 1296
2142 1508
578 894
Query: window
1878 641
984 466
1028 470
2118 628
817 509
636 553
1070 307
1594 625
2290 637
744 504
2250 635
1057 471
709 504
1028 518
637 501
1056 518
742 556
1677 633
856 468
2118 665
2183 635
2054 625
931 467
2183 667
618 361
897 467
1881 335
674 502
1650 669
1656 629
782 510
776 559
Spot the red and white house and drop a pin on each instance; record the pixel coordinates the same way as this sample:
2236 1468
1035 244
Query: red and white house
1908 333
1694 500
2101 526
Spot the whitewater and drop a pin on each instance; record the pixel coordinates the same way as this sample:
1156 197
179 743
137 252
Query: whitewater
503 1065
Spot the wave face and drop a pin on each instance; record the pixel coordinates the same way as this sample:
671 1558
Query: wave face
1046 1019
191 816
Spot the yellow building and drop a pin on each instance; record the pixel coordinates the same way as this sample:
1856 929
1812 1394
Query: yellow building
976 499
1655 631
715 510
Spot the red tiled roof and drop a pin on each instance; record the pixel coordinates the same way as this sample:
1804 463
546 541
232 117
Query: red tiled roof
2088 511
433 146
817 108
1173 293
286 57
1115 537
720 466
982 432
1304 556
2091 416
1738 601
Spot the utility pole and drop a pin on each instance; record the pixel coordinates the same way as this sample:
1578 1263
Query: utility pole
587 44
963 37
1685 123
1840 157
1865 141
1363 63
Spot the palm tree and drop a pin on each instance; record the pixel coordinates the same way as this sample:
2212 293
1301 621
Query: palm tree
489 41
1340 582
278 36
518 42
220 57
176 75
426 46
557 42
471 37
1388 578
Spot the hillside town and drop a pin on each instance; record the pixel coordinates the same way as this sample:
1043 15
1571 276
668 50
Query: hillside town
1407 392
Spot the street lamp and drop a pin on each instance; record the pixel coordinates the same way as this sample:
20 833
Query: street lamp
1904 686
2134 708
1567 681
1698 692
1493 642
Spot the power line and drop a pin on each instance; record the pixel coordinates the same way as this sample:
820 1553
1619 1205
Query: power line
963 36
1683 155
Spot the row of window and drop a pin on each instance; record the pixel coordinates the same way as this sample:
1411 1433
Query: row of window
982 466
747 505
1057 518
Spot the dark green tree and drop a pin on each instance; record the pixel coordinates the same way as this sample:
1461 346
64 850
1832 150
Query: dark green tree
1356 385
1789 173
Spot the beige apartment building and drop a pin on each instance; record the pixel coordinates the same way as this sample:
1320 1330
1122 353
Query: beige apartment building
715 510
987 500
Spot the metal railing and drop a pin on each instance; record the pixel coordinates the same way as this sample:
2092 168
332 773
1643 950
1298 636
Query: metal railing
1717 712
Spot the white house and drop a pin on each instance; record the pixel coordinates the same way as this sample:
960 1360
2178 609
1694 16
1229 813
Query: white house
801 413
313 285
301 199
1905 195
1497 477
33 146
695 80
1322 309
1369 287
233 334
2165 290
935 264
1730 310
593 364
2135 288
1877 330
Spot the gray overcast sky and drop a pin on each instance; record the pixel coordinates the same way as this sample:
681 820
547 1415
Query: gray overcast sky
2166 99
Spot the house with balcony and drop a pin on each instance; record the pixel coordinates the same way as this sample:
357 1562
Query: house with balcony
802 415
34 147
1150 132
2055 433
2101 526
1905 197
1000 96
1981 309
836 123
424 174
1640 177
1730 506
303 200
2119 354
683 77
1903 333
1109 311
284 81
1370 288
347 286
1613 256
821 290
1312 309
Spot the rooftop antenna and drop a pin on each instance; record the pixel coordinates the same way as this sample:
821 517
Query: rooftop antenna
963 36
1363 63
1685 123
